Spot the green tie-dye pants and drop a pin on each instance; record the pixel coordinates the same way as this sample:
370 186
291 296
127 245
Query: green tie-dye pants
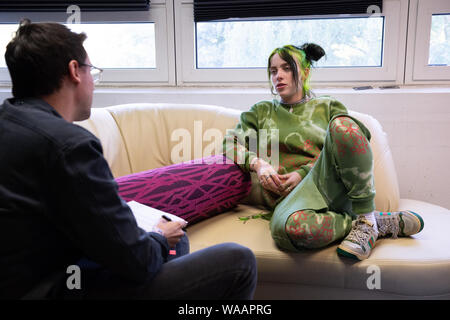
321 207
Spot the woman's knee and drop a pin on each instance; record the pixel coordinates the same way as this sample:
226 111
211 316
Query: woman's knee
345 129
307 229
348 137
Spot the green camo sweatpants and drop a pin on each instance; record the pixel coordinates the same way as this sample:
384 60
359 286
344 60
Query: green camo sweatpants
321 207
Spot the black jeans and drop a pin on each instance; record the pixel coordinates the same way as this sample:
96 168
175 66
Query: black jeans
222 272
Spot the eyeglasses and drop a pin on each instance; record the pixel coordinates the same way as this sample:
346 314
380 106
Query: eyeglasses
96 73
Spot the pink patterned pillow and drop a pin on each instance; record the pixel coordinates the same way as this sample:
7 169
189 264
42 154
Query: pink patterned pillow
193 191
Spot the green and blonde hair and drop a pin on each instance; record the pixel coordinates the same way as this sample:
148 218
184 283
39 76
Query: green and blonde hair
304 55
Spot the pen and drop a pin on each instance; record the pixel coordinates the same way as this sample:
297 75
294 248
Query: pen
168 219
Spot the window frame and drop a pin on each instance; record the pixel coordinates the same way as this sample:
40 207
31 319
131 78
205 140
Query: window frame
417 69
160 13
392 71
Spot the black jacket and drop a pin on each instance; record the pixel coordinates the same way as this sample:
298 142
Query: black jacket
59 203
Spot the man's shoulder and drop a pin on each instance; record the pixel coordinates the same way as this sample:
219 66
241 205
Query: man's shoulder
67 135
46 125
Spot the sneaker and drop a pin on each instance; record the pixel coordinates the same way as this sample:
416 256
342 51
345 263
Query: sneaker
402 223
359 242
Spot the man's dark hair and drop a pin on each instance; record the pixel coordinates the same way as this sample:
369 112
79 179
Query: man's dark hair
38 57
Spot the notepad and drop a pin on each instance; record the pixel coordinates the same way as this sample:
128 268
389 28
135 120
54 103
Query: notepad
148 217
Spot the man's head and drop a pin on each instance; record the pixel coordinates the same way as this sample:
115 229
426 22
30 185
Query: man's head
42 56
38 57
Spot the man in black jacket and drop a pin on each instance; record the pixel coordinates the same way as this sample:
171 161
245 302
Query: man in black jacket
59 205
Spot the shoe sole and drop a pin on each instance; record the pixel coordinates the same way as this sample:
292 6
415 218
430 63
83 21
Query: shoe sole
350 253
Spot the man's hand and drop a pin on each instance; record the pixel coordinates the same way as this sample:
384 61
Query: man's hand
172 231
289 182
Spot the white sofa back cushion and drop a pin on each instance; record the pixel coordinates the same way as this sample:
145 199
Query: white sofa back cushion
104 127
146 136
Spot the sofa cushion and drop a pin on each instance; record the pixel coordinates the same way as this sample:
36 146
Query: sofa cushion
194 191
104 127
385 176
154 134
416 266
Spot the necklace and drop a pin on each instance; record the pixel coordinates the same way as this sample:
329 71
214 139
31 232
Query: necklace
302 100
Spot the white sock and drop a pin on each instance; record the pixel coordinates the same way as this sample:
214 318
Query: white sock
370 216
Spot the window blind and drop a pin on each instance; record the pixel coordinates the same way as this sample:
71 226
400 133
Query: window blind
207 10
85 5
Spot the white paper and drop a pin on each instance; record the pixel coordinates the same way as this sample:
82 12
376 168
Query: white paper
148 217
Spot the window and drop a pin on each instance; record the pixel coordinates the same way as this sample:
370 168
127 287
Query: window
6 34
440 40
104 49
359 47
349 42
129 52
428 42
131 47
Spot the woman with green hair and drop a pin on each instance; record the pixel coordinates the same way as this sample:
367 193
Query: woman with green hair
313 164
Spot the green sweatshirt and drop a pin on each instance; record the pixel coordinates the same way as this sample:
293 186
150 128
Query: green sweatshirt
300 133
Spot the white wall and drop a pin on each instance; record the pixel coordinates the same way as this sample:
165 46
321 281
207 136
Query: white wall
416 119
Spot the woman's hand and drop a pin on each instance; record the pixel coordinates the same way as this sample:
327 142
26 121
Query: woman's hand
267 175
289 182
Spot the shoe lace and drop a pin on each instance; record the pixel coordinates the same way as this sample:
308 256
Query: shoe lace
360 232
388 224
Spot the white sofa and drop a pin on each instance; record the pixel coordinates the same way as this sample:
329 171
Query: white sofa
138 137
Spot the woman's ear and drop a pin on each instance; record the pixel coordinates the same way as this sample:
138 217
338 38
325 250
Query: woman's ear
74 72
305 74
